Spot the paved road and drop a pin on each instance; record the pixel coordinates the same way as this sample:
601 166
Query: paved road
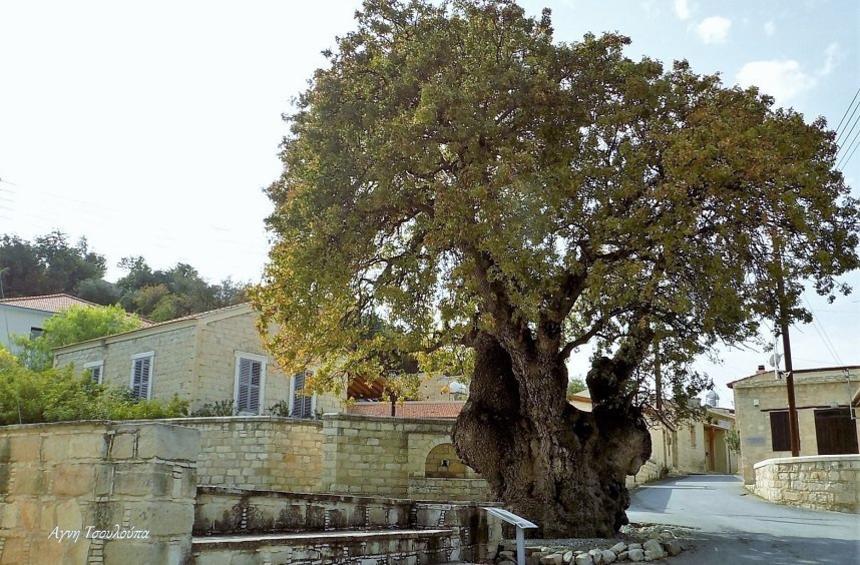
734 527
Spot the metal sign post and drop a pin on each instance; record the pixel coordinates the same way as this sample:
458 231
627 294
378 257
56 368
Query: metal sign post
520 523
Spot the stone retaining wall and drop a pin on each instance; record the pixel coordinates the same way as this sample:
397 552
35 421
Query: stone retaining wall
823 482
72 480
387 456
258 452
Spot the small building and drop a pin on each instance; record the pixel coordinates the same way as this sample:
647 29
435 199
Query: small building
25 315
204 358
827 424
699 446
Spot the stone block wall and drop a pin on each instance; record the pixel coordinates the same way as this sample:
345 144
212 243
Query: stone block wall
172 364
423 488
194 359
822 482
97 492
388 456
259 453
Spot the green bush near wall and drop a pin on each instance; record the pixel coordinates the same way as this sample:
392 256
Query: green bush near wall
57 395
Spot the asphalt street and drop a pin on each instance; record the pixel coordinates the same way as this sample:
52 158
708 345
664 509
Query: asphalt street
733 526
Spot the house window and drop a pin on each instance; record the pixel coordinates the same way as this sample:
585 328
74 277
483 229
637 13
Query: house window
141 375
693 436
835 431
250 383
779 432
302 403
36 332
95 371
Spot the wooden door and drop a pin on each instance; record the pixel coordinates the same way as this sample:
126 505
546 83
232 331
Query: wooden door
835 431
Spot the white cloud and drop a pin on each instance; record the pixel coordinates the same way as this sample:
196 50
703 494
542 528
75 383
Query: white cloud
769 28
832 56
682 9
714 29
783 79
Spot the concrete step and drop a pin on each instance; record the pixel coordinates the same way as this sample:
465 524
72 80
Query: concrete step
399 547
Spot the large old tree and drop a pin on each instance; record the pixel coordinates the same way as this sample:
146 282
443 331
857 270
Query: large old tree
460 174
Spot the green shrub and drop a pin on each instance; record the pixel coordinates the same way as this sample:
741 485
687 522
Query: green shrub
220 408
281 408
57 395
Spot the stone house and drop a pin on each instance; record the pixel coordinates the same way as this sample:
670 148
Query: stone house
688 447
203 358
826 422
24 315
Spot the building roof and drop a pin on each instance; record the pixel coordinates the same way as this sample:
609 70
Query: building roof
166 325
408 409
47 302
835 369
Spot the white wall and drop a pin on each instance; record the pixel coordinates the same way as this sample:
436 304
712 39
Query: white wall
18 321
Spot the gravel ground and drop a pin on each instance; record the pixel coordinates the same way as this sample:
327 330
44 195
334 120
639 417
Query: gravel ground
633 533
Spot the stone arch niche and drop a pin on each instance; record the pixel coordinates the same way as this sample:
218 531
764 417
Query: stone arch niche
442 463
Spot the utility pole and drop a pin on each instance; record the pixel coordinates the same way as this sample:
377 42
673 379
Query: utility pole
793 430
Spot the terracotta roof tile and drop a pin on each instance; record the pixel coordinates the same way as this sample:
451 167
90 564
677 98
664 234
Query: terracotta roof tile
47 302
409 409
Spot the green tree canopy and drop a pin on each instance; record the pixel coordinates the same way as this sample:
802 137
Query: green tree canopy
76 324
47 265
461 174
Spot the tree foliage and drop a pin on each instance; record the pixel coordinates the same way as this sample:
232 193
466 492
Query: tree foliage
76 324
165 294
49 264
454 167
574 386
472 182
56 395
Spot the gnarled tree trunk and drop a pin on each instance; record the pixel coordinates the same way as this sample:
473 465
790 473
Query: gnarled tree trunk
560 467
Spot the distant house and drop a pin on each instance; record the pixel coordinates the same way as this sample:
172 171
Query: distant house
826 422
204 358
25 315
687 447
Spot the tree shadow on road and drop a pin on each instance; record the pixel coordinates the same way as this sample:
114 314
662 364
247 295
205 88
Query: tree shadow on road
738 548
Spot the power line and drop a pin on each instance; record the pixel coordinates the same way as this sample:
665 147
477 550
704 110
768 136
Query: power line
850 131
849 145
846 111
825 338
849 156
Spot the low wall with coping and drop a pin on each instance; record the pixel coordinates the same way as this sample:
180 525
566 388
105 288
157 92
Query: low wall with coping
342 453
822 482
258 452
366 455
97 493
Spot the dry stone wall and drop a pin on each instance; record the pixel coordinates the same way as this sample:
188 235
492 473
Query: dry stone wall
97 493
387 456
259 453
823 482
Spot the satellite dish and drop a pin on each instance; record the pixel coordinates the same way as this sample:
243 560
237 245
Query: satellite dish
774 360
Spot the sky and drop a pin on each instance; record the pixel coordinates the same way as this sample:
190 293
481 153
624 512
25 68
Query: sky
152 128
